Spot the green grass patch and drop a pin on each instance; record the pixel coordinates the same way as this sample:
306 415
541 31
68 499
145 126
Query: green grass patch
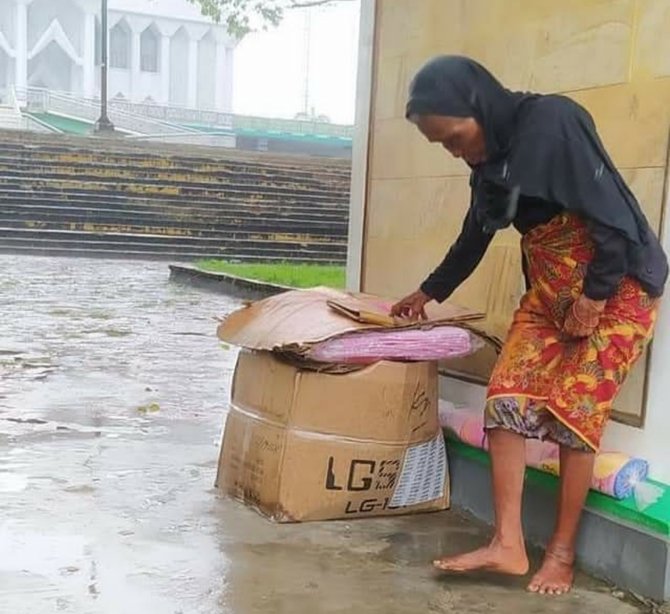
285 273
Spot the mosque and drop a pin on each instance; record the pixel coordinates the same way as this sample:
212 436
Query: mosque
160 51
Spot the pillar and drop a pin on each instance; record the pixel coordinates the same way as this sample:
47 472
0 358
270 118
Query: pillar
88 56
229 75
192 76
135 64
21 72
165 69
220 76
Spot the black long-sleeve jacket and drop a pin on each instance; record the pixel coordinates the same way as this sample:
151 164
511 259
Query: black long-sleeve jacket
611 262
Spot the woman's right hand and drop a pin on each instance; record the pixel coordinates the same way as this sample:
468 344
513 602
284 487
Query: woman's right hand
412 306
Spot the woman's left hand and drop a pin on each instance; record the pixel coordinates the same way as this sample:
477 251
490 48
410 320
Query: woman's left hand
583 316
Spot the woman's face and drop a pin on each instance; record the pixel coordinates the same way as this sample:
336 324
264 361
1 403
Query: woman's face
462 137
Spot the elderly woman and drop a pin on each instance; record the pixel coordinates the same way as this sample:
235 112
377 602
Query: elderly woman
594 271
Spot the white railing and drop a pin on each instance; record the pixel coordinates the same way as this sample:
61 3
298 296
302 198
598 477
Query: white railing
292 126
153 121
216 119
217 139
20 121
176 114
44 101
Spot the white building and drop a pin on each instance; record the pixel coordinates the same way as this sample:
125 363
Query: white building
160 51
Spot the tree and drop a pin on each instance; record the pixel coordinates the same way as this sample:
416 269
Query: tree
244 16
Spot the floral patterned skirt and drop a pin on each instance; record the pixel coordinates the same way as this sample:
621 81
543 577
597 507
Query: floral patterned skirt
545 385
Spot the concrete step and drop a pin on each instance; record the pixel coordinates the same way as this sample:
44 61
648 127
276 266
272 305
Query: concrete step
164 151
43 217
218 232
55 192
179 255
110 164
240 179
24 194
247 239
166 192
35 207
128 183
26 157
241 250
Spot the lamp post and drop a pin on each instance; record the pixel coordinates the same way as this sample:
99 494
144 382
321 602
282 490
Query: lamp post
103 125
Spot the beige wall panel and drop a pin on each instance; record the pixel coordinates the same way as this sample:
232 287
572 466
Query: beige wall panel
653 39
402 27
584 47
632 120
495 288
532 45
612 56
501 40
410 228
394 266
497 285
647 185
390 94
399 150
427 210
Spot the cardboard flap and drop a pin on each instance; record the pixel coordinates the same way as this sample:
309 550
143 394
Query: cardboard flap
362 316
299 318
373 310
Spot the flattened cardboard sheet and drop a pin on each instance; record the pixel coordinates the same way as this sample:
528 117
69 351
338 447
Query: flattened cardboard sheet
294 320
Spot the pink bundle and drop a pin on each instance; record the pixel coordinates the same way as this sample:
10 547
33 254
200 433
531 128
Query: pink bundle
435 343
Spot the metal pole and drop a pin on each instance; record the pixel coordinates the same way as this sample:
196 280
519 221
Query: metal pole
103 125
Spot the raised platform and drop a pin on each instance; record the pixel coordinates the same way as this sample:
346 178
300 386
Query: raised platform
225 283
617 542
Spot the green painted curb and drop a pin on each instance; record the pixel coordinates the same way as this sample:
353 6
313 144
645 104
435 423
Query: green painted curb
655 518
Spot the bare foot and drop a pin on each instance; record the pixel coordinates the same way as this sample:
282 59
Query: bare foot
556 574
495 557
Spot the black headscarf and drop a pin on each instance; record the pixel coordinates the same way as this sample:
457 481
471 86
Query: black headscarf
542 146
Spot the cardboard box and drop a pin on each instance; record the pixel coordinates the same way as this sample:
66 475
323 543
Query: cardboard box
301 445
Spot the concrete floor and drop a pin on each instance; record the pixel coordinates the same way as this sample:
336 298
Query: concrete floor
106 502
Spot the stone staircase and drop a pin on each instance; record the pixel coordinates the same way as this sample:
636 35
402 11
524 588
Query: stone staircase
114 198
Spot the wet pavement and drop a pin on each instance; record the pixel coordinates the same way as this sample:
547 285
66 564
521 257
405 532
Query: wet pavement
113 389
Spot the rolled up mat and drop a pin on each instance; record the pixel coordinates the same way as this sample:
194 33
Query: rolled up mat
615 474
